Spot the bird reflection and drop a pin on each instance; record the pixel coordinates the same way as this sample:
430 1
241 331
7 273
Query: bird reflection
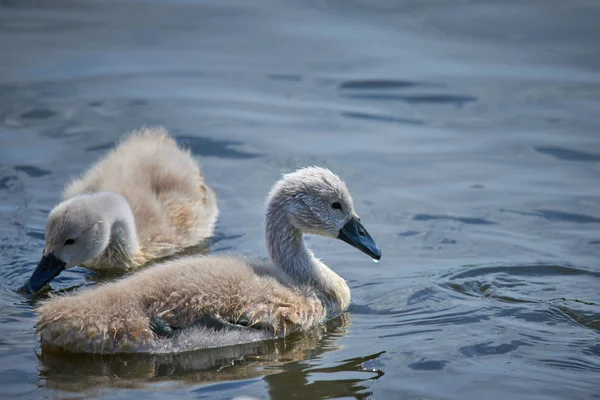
298 376
283 363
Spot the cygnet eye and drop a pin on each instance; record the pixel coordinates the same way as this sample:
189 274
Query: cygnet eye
69 241
336 205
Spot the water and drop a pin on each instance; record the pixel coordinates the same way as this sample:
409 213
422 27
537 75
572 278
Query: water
468 133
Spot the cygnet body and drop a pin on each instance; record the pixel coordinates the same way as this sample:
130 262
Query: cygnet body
145 200
211 301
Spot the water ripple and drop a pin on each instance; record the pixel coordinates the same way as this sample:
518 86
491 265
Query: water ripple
32 171
379 84
533 285
38 114
574 364
417 99
557 215
487 349
386 90
382 118
567 154
428 365
464 220
200 146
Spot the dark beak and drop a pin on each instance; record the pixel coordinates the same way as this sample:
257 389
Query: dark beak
357 236
48 268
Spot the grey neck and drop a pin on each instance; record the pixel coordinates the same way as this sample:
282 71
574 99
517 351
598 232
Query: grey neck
286 246
288 252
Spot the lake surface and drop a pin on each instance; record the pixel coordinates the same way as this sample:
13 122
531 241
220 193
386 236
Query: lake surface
467 131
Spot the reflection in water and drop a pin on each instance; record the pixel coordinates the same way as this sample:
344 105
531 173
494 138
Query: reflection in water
320 383
83 373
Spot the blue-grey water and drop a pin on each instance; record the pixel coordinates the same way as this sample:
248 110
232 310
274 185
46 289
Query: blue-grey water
468 132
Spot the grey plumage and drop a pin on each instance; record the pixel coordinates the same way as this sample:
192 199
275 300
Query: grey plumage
146 199
294 293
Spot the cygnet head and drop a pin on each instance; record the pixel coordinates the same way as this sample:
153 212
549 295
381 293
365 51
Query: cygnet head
77 231
317 201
